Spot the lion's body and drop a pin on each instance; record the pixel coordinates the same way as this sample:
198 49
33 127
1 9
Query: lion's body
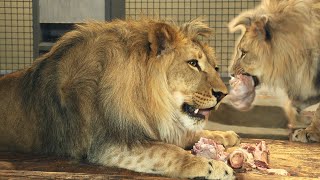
281 46
114 93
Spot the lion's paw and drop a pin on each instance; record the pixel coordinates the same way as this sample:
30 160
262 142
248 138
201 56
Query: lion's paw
231 138
306 136
209 169
220 170
227 138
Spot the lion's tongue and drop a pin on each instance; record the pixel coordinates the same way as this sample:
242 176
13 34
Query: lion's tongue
204 112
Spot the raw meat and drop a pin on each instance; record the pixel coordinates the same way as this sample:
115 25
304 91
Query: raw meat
244 158
259 155
210 149
242 92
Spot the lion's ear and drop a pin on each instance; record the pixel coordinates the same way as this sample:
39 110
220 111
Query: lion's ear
261 28
240 22
161 37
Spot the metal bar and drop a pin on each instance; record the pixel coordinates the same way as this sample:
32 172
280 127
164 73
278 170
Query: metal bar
114 9
118 9
36 28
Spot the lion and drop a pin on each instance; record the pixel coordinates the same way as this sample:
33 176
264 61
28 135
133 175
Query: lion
280 47
131 94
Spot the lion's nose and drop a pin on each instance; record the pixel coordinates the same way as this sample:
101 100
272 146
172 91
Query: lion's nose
219 95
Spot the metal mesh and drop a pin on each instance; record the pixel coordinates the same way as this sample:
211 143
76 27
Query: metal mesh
16 39
216 12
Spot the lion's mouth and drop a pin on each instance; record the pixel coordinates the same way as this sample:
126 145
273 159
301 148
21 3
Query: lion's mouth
255 78
196 112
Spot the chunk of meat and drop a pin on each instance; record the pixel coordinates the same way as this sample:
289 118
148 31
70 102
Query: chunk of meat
259 155
242 92
210 149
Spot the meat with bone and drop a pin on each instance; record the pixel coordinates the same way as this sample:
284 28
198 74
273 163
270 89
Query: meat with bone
260 155
246 157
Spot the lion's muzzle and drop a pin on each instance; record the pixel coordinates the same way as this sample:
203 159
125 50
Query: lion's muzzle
218 95
202 104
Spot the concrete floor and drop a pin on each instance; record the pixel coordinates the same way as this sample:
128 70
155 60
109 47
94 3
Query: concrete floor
267 118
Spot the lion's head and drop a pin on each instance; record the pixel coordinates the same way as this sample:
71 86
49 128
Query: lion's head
188 71
192 76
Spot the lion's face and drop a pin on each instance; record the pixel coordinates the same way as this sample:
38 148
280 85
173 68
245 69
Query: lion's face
188 73
195 83
246 59
252 53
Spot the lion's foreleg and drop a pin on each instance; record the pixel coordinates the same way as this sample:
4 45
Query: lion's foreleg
311 133
164 159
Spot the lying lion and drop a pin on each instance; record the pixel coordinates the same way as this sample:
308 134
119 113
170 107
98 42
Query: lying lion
280 47
129 94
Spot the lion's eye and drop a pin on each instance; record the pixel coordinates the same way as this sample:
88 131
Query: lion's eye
243 53
217 68
194 63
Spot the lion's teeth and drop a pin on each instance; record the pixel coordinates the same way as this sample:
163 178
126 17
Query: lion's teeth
196 111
